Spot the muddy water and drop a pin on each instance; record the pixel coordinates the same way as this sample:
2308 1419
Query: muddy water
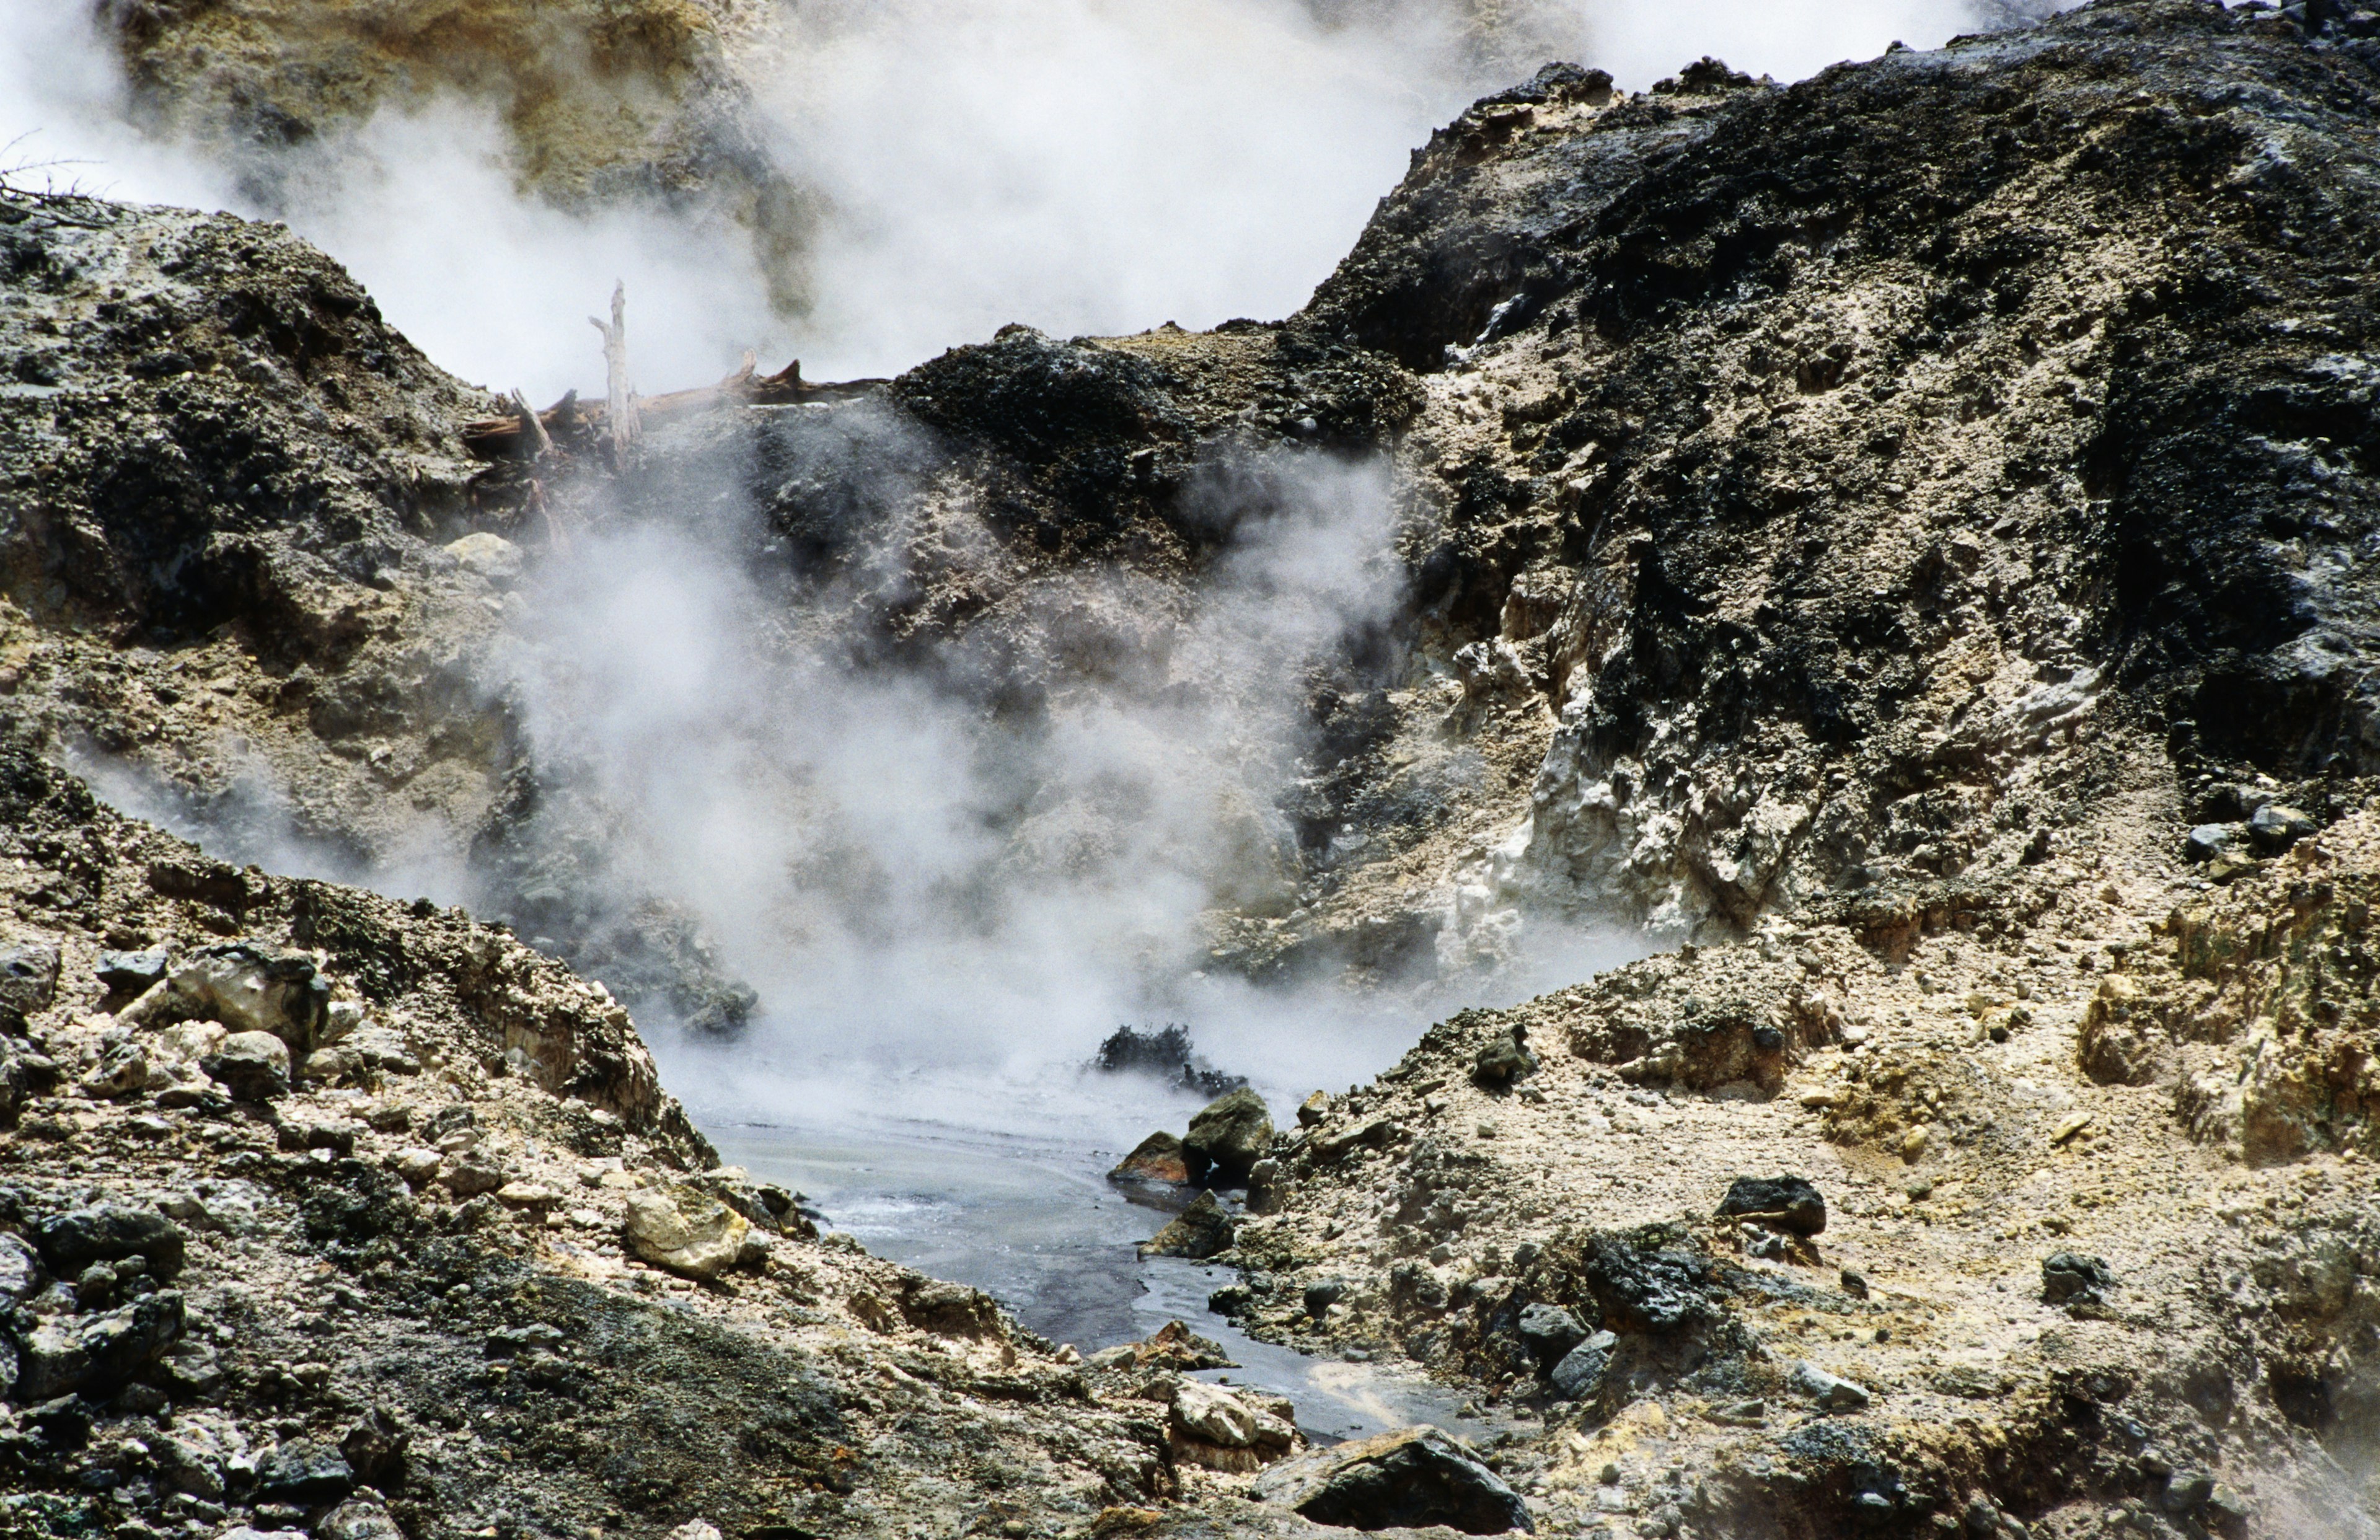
1030 1220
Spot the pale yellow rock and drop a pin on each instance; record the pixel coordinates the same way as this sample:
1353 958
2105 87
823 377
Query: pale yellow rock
684 1231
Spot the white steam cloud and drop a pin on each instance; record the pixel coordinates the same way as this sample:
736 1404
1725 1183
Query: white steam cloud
1079 166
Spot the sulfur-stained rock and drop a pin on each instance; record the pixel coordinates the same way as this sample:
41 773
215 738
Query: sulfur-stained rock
684 1231
1158 1157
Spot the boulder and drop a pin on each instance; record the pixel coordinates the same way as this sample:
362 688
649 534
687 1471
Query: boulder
2071 1278
95 1353
528 1197
1230 1134
491 557
1158 1157
1407 1478
468 1178
1832 1391
109 1232
1551 1331
1213 1414
1202 1230
248 989
2275 827
684 1231
1506 1059
29 975
132 970
303 1473
1580 1374
1314 1110
1781 1202
253 1066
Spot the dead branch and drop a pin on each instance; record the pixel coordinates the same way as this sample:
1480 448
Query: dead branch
620 404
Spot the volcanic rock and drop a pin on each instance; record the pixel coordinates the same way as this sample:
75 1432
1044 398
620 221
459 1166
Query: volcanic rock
1408 1478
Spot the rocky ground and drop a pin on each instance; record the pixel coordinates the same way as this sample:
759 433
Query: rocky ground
1900 537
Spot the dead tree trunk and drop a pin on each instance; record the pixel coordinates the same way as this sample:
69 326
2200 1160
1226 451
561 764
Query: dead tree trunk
534 426
620 404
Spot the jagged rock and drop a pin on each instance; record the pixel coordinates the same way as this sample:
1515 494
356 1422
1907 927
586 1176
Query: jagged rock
1788 1202
2275 827
248 990
2071 1278
2210 842
684 1231
133 970
1158 1157
375 1449
490 556
304 1473
1407 1478
1550 1330
96 1353
20 1271
29 975
1229 1136
1202 1230
1314 1110
1503 1061
253 1066
1580 1374
110 1232
1211 1414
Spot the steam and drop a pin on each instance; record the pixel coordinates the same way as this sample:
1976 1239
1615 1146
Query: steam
904 872
1082 167
909 873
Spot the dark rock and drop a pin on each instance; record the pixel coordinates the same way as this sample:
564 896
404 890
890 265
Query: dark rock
254 1066
1503 1061
1166 1054
1229 1136
1201 1230
375 1449
2209 841
304 1473
29 975
1267 1186
96 1353
190 1370
1650 1281
1580 1373
1158 1157
1785 1202
1551 1331
1322 1294
1854 1284
133 970
2071 1278
110 1232
2273 828
1408 1478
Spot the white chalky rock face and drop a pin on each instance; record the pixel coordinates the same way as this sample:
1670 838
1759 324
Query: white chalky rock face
684 1231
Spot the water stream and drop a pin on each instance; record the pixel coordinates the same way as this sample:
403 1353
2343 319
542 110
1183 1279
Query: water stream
1030 1217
